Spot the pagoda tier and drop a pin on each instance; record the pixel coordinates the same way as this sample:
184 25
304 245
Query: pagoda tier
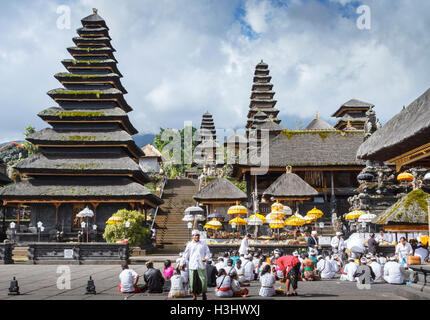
262 95
89 153
207 128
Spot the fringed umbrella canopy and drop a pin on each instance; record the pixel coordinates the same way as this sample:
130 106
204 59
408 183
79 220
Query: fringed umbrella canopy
238 221
114 220
315 213
368 217
294 221
194 211
277 224
354 214
254 221
214 223
237 209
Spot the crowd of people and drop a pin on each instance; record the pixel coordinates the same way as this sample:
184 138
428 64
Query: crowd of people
232 272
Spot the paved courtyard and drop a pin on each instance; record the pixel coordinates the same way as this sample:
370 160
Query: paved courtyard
39 282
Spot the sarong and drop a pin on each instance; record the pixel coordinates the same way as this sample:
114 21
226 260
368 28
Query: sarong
293 276
198 281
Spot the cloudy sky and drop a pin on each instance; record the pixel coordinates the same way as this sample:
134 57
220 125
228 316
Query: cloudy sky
182 58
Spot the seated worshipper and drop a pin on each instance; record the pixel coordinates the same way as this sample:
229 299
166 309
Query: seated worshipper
335 263
381 259
154 280
377 269
403 249
421 252
183 267
313 255
128 281
177 285
324 268
211 272
349 270
230 268
261 264
256 259
290 266
235 256
236 287
248 269
223 285
220 264
393 272
267 281
240 273
309 273
168 269
364 273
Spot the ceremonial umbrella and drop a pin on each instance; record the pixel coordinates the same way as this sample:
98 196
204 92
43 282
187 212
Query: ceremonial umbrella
354 214
314 213
288 211
294 221
259 216
188 218
194 211
86 213
277 224
216 215
256 220
368 217
214 223
114 220
238 221
277 206
405 176
237 209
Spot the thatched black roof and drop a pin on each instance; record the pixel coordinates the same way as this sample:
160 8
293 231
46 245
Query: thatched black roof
407 130
70 79
353 103
290 185
81 164
319 124
94 20
78 188
4 179
220 189
313 148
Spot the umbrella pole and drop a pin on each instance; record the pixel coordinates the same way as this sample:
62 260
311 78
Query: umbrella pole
87 229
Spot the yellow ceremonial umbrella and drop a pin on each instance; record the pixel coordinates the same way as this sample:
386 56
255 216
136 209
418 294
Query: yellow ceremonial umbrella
277 206
114 220
354 214
237 209
208 226
405 176
260 216
238 221
214 223
277 224
294 221
314 213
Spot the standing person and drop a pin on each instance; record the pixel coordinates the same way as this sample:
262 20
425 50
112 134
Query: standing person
383 237
195 255
128 280
372 244
290 267
267 281
337 243
244 245
392 272
313 241
403 249
211 273
223 285
154 280
349 270
421 252
248 269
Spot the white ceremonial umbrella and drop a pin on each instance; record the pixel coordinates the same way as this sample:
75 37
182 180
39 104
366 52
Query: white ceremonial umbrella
86 213
194 211
188 218
368 217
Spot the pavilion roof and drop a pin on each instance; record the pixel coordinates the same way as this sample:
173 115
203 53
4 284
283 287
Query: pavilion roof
290 185
407 130
220 189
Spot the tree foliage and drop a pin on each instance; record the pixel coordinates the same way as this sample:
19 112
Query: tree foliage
137 233
31 148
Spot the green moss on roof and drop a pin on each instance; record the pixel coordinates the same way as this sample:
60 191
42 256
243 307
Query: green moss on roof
84 76
322 133
65 114
79 138
71 92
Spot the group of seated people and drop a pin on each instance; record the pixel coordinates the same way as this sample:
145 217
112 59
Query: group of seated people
233 272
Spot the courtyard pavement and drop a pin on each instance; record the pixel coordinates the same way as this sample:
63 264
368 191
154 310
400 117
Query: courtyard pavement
39 282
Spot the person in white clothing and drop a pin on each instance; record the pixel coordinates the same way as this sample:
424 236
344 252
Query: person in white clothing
393 272
267 281
220 264
177 285
403 249
195 255
421 252
335 263
248 269
324 268
337 243
350 269
128 280
223 285
244 245
377 270
383 237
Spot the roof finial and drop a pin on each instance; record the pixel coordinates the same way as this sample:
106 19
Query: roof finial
95 10
289 169
317 116
348 124
261 61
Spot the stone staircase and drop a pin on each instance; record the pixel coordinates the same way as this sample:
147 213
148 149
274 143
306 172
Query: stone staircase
172 232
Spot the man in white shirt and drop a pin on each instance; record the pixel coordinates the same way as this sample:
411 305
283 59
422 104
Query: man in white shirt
325 268
393 272
383 237
377 269
350 269
244 245
337 243
403 250
335 263
421 252
195 255
128 280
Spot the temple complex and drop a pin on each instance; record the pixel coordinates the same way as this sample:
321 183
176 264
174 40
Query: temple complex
88 157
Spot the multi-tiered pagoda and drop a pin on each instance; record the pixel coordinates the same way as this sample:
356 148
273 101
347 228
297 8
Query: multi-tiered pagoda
205 152
88 157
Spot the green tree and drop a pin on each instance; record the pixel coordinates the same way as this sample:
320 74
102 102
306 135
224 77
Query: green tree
31 148
137 233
